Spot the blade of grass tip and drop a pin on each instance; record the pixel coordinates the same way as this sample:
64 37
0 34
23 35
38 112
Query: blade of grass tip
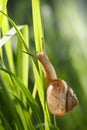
18 32
34 91
30 54
3 4
8 48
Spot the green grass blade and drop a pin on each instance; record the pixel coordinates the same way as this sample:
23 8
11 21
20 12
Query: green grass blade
3 4
38 32
9 54
25 32
39 77
39 84
22 59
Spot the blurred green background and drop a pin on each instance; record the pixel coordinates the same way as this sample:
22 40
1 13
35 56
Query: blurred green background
65 32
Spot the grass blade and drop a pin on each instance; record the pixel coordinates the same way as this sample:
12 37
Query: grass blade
39 84
38 32
22 59
3 4
9 35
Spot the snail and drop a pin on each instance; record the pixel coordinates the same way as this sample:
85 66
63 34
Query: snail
60 97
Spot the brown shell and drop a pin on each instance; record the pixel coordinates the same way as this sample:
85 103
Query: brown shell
60 98
71 99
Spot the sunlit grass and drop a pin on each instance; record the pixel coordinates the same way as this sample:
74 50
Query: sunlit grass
22 107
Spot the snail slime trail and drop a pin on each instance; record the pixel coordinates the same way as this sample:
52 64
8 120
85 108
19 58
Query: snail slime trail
60 97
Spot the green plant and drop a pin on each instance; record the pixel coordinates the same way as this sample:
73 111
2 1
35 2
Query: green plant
19 108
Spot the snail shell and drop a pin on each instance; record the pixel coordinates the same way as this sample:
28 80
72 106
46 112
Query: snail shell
60 97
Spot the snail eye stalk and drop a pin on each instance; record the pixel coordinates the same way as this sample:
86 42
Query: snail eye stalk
30 54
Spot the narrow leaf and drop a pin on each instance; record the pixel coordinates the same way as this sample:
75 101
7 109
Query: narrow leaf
9 35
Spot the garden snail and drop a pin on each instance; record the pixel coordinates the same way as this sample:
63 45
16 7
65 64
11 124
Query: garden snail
60 97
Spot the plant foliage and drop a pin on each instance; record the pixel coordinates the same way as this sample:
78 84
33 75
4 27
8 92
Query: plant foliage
19 108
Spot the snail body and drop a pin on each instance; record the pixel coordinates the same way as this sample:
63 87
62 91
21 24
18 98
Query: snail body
60 97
